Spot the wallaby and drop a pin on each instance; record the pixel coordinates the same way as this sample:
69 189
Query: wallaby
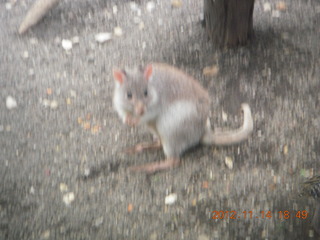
175 107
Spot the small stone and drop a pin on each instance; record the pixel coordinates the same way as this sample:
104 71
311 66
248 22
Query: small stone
11 103
87 172
133 6
176 3
73 93
153 236
98 221
281 6
150 6
170 199
311 233
63 187
8 6
211 70
224 116
45 235
229 162
66 44
267 7
136 20
275 14
285 150
31 72
203 237
32 191
75 40
25 54
33 41
53 104
141 26
139 12
118 31
115 9
68 198
45 102
103 37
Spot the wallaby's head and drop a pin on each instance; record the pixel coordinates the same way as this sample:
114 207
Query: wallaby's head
133 90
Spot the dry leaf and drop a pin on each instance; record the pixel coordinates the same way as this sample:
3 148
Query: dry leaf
229 162
211 71
205 184
285 149
176 3
49 91
86 125
130 207
281 6
95 129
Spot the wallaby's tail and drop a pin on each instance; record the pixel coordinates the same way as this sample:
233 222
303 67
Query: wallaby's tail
234 136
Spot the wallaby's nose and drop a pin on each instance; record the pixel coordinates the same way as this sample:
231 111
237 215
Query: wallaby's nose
139 109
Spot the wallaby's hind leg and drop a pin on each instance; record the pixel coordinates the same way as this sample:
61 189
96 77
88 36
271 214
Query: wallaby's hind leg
157 166
143 146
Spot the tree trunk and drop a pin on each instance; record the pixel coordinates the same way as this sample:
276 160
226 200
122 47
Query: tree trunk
229 22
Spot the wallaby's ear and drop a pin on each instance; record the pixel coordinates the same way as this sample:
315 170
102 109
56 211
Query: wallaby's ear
119 75
148 72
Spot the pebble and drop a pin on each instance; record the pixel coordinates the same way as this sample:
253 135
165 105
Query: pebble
25 54
63 187
211 70
150 6
141 26
224 116
267 7
31 72
53 104
275 14
66 44
176 3
171 199
45 235
115 9
75 40
134 6
98 221
118 31
103 37
68 198
136 20
229 162
203 237
8 6
11 103
73 93
33 41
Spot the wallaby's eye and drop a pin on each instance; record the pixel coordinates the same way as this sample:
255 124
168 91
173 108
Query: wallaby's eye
145 93
129 95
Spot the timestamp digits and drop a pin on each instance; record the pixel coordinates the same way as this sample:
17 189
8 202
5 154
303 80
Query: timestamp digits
261 215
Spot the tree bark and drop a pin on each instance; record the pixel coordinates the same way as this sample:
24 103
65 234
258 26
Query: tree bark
229 23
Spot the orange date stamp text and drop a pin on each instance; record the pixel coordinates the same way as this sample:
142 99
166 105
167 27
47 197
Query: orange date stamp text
259 215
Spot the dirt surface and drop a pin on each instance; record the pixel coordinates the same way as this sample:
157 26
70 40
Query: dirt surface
63 173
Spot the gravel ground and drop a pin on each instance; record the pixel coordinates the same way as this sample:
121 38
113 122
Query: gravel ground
63 173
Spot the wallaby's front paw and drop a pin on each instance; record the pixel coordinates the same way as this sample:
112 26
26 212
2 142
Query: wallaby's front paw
131 121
